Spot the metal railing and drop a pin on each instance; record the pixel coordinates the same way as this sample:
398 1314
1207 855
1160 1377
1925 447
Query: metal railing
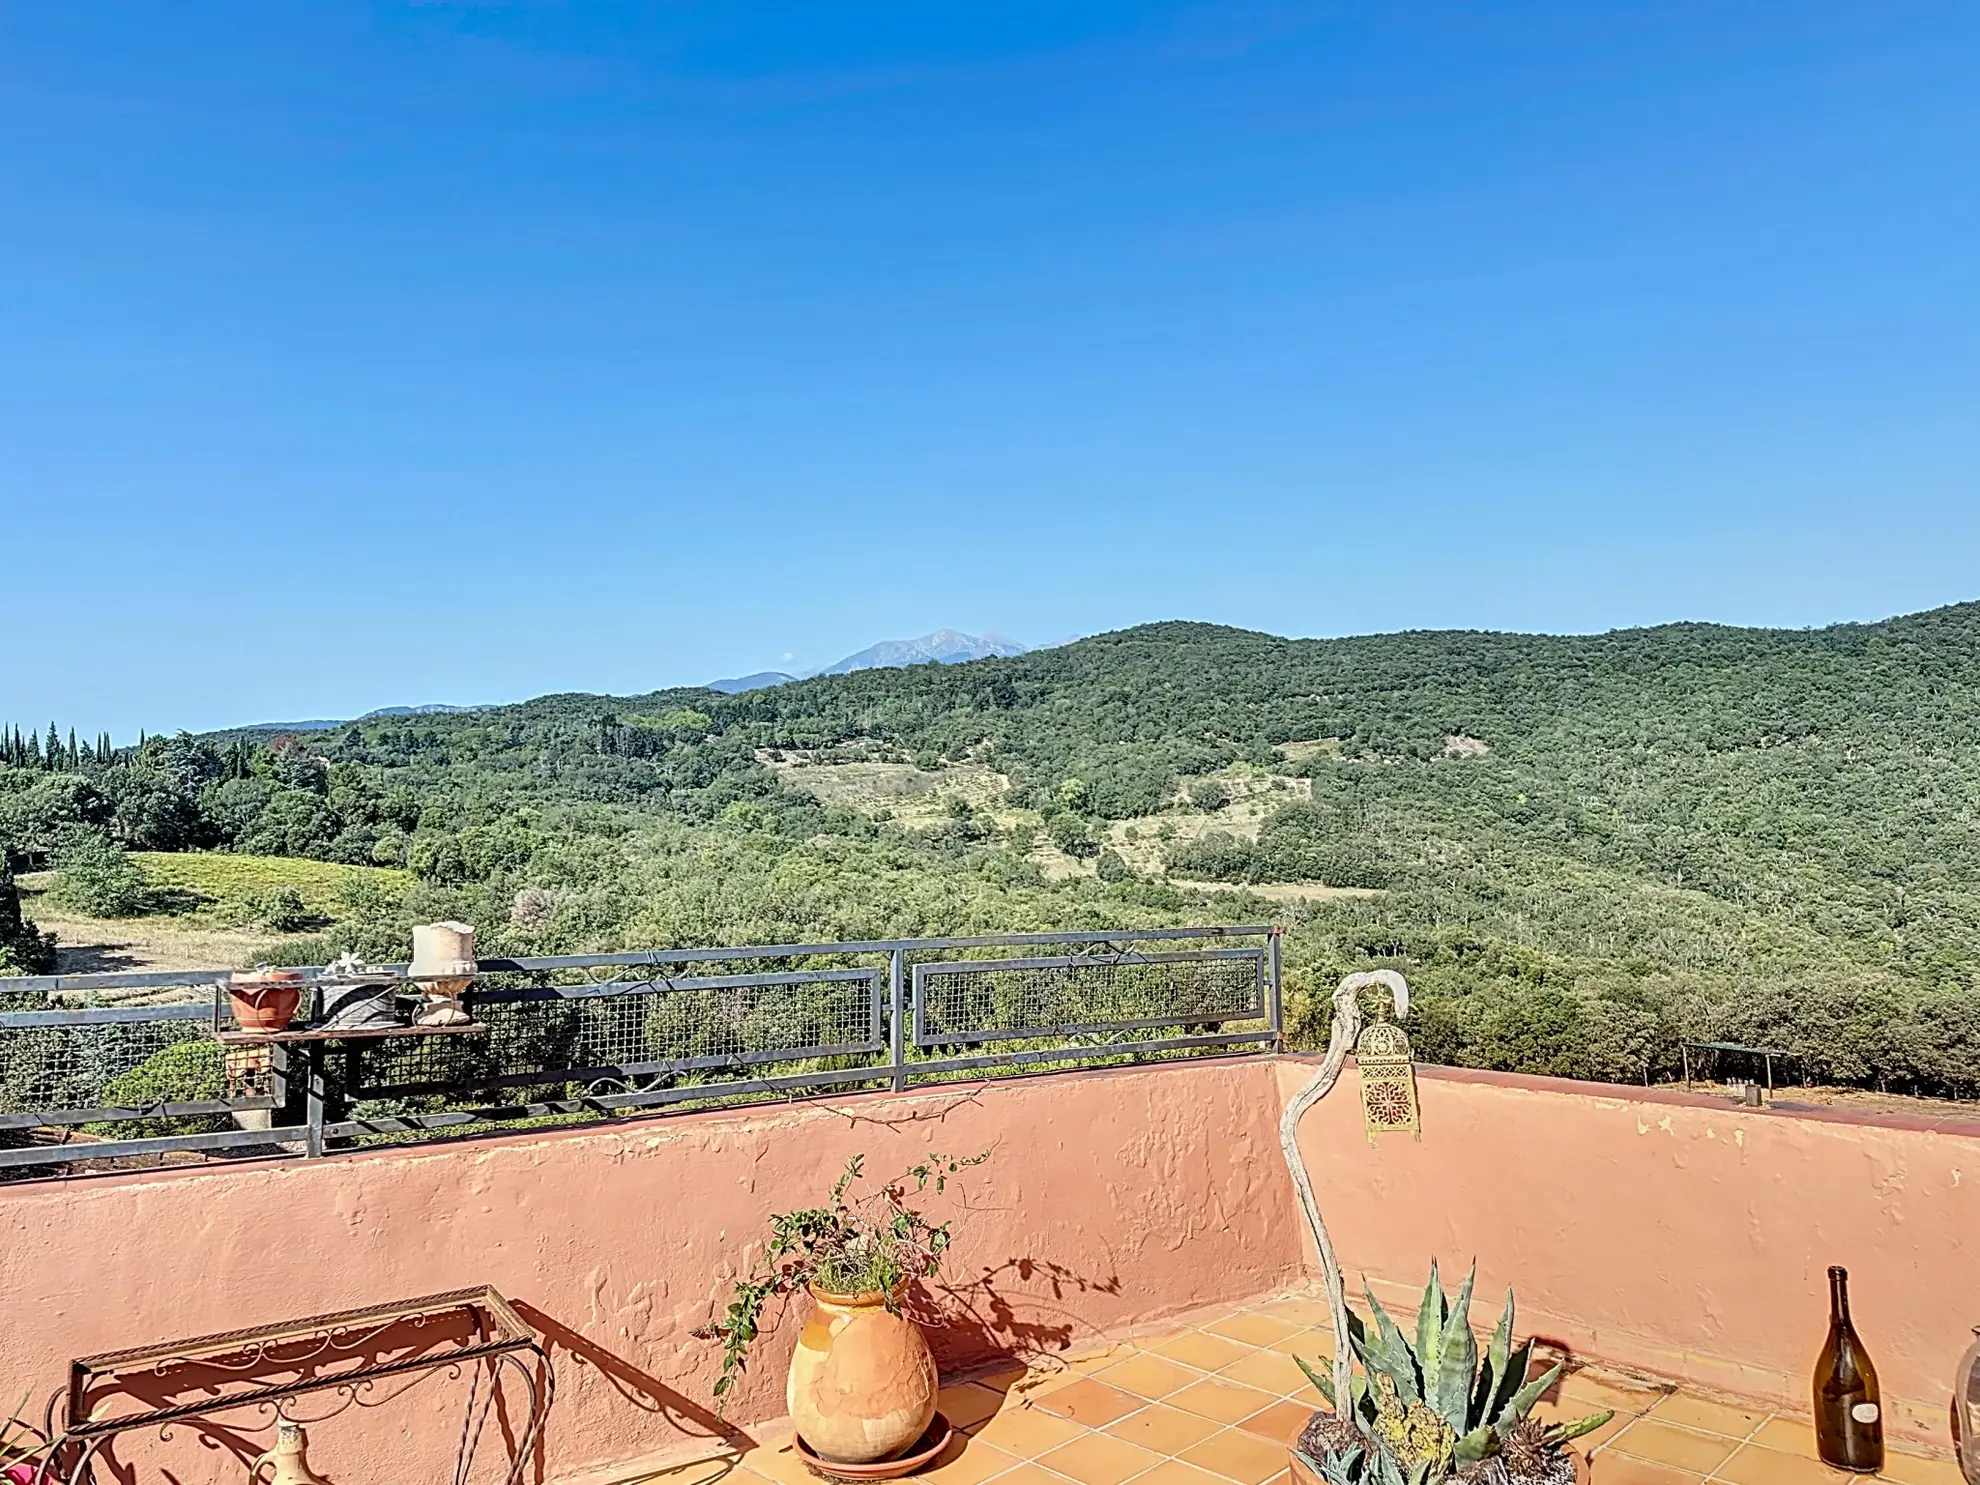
590 1036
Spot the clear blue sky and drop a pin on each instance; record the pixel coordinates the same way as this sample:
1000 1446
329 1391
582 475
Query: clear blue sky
357 355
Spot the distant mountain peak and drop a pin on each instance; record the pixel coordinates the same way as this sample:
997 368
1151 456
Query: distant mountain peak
943 647
755 682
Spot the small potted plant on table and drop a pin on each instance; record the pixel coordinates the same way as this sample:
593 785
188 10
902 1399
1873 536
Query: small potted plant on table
862 1383
1436 1410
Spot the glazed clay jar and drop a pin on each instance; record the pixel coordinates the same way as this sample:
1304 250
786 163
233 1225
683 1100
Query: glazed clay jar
862 1382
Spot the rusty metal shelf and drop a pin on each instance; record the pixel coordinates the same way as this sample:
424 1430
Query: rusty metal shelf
228 1371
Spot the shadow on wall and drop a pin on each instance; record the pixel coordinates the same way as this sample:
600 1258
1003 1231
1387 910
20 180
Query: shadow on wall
640 1388
980 1321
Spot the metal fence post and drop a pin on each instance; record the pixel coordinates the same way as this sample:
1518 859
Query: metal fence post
1275 1009
313 1071
897 1018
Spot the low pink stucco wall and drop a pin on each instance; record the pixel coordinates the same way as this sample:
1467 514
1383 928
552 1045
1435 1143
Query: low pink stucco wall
1666 1231
1112 1199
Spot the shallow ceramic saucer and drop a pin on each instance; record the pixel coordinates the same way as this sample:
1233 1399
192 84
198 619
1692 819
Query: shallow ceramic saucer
920 1455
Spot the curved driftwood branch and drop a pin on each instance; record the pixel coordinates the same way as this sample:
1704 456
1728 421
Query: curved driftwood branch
1340 1041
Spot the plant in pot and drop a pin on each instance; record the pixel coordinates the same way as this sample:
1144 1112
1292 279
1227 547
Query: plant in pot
1437 1409
862 1382
265 999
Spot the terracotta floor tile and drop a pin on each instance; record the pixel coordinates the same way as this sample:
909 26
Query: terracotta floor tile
967 1404
1753 1465
1617 1469
1254 1329
1164 1429
1238 1455
1789 1435
1663 1443
1912 1470
1029 1432
1200 1349
1028 1473
780 1463
1688 1410
1220 1399
1099 1460
1091 1401
1149 1376
1175 1472
1271 1371
1298 1310
1311 1342
1282 1422
967 1461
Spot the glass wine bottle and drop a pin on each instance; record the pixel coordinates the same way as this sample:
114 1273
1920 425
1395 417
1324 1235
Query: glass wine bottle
1849 1414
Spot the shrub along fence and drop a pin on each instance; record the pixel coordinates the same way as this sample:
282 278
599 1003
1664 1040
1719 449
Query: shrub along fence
590 1036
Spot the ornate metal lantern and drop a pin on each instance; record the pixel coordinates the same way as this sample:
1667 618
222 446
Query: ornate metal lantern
1388 1081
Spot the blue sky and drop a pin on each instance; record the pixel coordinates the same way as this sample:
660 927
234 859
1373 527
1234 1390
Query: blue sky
356 355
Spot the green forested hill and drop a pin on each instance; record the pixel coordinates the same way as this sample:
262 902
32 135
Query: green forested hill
1579 848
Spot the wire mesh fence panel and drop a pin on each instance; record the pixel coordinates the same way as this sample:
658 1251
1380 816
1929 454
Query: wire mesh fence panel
589 1036
967 1002
626 1030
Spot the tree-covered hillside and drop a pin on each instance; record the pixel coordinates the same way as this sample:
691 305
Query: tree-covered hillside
1579 848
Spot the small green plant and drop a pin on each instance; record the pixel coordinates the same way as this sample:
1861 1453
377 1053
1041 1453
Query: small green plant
96 877
190 1071
871 1244
278 909
1436 1409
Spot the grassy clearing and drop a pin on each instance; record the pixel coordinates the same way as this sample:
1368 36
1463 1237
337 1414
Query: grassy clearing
207 884
193 924
911 795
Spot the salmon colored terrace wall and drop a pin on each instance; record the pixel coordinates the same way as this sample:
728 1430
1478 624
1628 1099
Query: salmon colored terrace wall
1667 1231
1112 1198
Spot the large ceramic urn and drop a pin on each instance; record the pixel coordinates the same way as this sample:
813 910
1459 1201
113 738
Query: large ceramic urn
443 963
862 1383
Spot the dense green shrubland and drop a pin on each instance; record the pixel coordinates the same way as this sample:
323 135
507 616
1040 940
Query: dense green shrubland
1587 847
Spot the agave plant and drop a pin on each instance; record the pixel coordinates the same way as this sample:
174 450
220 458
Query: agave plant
1436 1409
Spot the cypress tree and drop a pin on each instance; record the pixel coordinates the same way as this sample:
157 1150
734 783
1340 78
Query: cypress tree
24 949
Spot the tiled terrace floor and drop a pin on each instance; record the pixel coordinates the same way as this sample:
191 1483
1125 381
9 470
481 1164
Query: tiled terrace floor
1217 1402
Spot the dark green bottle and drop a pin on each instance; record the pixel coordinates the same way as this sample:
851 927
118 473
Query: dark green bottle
1849 1411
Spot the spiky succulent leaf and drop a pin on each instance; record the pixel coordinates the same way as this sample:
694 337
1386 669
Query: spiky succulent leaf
1334 1469
1420 1475
1457 1361
1497 1352
1475 1445
1523 1400
1563 1432
1399 1361
1322 1384
1387 1471
1517 1366
1430 1317
1381 1360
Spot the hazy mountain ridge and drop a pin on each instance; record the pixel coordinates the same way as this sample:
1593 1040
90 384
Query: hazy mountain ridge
942 647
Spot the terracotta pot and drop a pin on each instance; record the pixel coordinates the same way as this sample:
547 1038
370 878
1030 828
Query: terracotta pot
265 999
862 1383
